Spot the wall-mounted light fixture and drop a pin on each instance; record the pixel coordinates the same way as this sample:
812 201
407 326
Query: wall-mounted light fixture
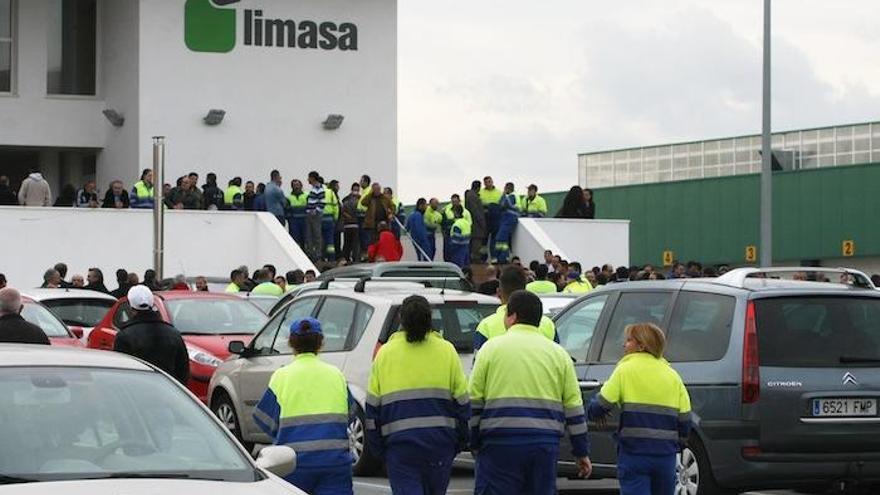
114 117
333 122
215 116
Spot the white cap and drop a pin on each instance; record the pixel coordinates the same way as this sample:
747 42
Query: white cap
141 298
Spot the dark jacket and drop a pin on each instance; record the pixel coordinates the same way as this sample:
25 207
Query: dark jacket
149 338
212 195
478 214
15 329
7 197
110 199
374 204
190 199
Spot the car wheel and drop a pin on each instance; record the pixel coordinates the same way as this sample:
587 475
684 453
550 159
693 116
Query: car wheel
693 475
225 411
365 463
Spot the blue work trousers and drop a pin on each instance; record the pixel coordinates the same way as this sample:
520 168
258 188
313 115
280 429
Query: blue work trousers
323 481
516 469
460 254
328 237
646 474
505 235
432 244
296 225
493 221
418 473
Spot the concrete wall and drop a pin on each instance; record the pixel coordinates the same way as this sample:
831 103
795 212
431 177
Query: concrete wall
209 243
591 242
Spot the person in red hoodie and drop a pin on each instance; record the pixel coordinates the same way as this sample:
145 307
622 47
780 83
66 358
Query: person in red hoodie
387 248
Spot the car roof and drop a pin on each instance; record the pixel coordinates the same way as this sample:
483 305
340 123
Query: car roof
377 269
45 355
396 296
192 294
763 286
47 294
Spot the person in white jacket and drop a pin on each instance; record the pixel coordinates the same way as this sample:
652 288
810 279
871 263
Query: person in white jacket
35 191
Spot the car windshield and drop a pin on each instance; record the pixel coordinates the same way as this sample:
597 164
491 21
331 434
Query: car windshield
43 318
79 312
64 423
553 305
265 304
215 316
456 321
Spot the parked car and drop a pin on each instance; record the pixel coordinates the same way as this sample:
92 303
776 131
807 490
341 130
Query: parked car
79 309
438 273
264 302
207 321
345 283
53 327
784 375
355 323
554 303
76 421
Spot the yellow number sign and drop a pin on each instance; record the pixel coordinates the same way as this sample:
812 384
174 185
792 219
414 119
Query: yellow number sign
668 258
848 248
751 254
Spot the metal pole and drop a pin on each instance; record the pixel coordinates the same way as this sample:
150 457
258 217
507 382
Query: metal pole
158 209
403 228
766 154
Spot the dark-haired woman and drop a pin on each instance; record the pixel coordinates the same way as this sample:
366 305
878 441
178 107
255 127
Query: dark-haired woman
307 408
590 205
417 404
574 205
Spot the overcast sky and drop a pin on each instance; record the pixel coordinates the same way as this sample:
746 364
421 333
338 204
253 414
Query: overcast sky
515 89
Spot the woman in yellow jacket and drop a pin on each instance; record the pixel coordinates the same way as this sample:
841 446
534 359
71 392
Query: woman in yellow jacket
655 413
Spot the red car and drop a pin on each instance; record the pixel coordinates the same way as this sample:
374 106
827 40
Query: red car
54 328
207 321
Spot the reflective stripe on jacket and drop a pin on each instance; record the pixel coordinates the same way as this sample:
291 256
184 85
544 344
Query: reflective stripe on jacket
493 326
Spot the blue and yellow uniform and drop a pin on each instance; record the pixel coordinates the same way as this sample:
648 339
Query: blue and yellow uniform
296 217
233 197
142 195
655 419
307 408
491 199
542 287
493 325
510 213
433 222
417 412
328 223
460 242
520 410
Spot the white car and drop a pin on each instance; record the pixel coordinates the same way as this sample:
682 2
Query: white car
79 309
355 324
76 421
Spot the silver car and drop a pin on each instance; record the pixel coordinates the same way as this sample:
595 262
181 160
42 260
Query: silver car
355 324
78 421
79 309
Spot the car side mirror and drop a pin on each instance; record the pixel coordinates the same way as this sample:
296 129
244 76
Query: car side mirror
237 347
279 460
77 331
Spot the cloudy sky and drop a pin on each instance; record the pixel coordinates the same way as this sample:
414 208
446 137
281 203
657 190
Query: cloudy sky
515 88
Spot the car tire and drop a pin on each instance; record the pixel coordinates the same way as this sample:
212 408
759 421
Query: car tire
365 462
693 473
224 409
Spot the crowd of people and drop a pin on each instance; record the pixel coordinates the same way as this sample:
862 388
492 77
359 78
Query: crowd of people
330 226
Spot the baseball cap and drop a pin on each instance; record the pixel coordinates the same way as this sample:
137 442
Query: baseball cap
140 298
305 326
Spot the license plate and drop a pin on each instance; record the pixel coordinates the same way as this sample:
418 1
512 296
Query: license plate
844 407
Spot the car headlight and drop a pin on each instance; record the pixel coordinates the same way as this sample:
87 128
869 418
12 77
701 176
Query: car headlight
203 357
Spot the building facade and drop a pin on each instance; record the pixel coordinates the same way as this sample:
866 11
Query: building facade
794 150
86 84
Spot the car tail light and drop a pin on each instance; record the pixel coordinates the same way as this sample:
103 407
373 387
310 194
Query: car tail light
376 349
751 379
748 452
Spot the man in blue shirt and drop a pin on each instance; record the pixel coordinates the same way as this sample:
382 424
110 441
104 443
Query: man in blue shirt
418 232
274 196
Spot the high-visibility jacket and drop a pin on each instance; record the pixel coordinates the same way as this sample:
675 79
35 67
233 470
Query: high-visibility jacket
490 196
536 207
297 204
460 233
493 326
331 203
510 204
233 288
142 195
541 287
268 289
521 401
306 407
578 287
433 219
232 197
449 216
417 396
655 406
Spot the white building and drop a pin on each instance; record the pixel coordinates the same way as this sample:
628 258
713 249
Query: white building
277 68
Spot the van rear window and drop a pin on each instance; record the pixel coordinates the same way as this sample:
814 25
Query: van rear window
818 331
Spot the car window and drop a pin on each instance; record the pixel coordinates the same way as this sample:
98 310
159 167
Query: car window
279 343
575 328
76 423
632 307
262 343
80 312
365 312
337 317
456 321
700 327
818 331
43 318
206 316
123 314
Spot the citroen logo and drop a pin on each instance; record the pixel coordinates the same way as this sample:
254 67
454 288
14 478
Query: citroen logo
849 379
